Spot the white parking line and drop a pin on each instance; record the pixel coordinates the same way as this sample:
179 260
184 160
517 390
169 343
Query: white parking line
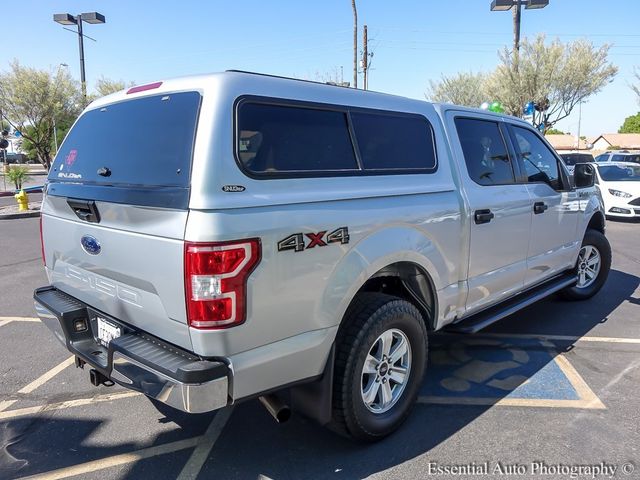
5 320
201 453
21 412
38 382
203 444
116 460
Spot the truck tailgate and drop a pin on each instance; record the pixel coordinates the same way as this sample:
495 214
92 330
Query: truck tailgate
136 276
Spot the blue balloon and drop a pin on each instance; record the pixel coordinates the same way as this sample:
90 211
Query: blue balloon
529 108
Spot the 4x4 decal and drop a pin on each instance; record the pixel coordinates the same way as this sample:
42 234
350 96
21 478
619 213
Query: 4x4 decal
296 241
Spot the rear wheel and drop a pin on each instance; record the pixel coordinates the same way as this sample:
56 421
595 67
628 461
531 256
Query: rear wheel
592 266
381 355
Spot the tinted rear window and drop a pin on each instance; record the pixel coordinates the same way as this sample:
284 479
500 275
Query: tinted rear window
146 142
275 138
394 141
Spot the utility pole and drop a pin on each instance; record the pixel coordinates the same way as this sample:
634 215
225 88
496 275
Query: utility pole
365 58
355 44
579 122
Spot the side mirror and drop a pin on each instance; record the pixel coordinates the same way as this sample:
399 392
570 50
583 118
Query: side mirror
584 175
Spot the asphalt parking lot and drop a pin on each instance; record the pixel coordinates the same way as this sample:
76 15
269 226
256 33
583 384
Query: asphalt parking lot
554 386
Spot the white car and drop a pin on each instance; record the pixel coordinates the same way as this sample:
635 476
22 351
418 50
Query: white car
619 184
619 156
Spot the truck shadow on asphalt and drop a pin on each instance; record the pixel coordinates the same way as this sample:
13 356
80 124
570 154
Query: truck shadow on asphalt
489 368
253 445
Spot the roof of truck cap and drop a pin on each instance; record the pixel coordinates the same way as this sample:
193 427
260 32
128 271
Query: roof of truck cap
202 82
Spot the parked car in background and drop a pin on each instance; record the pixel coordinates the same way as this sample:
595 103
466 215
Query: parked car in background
15 158
619 156
571 158
619 185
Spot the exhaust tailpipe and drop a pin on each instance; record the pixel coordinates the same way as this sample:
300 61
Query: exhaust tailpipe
276 408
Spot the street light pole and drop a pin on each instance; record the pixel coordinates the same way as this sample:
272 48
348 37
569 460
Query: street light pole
504 5
68 19
83 79
516 29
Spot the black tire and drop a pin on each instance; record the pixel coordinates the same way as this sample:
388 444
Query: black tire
597 240
368 317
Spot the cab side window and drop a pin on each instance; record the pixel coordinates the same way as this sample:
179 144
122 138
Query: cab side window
540 164
485 151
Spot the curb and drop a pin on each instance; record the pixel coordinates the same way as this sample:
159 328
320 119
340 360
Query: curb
15 216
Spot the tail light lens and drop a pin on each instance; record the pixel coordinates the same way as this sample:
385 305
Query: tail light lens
44 260
215 281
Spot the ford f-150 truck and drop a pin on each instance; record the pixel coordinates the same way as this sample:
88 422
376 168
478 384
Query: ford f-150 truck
217 238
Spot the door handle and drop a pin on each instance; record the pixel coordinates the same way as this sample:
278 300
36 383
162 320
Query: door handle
539 207
483 216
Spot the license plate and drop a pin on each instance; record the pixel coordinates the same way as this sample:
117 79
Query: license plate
107 331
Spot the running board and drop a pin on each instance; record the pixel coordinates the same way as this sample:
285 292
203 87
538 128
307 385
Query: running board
483 319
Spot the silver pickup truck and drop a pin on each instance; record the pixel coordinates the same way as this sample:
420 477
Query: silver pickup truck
217 238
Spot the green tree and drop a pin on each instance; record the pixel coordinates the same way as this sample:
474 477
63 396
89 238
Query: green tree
106 86
468 89
631 124
554 131
33 100
561 74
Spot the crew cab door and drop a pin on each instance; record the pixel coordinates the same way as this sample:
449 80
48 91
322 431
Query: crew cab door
552 244
499 209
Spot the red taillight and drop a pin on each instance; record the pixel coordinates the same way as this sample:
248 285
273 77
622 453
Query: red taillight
44 260
215 281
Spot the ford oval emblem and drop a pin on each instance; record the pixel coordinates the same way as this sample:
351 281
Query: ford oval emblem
90 245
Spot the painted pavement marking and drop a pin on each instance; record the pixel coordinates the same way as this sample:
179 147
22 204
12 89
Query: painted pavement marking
504 371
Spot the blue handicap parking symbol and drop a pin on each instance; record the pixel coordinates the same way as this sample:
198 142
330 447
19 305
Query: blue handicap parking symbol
513 371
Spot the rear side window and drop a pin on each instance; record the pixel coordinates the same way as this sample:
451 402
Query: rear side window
485 151
394 142
282 138
276 138
147 142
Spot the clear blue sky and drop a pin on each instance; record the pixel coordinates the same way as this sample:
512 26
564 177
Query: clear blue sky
413 41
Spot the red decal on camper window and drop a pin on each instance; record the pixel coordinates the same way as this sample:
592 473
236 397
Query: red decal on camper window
71 157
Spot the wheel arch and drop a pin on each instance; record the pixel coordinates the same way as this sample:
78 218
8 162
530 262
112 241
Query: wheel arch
597 222
409 281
